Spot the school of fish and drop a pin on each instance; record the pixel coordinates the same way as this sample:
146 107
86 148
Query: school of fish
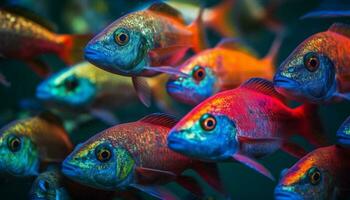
217 104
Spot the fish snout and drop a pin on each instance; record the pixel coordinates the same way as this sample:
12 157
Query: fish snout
69 170
176 142
43 91
283 194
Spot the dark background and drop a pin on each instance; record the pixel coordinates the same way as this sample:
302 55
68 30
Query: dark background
240 181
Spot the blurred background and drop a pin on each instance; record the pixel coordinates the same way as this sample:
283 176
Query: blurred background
91 16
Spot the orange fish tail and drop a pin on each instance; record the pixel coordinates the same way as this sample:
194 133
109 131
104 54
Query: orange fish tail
74 45
220 19
199 36
310 126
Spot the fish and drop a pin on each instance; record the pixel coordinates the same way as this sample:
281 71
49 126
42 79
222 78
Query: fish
321 174
28 145
244 124
329 9
49 185
84 88
21 30
144 44
317 70
123 157
223 67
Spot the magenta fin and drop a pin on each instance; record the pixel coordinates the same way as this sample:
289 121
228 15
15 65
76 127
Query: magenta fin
167 70
143 90
253 164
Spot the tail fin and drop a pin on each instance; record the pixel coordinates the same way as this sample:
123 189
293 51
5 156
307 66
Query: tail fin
268 18
210 173
73 47
310 124
199 35
219 19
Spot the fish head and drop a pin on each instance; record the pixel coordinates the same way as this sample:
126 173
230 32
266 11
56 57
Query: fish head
18 154
307 179
100 165
195 88
205 134
48 186
308 74
121 48
68 88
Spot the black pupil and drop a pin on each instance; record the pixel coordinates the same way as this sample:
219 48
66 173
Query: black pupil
104 154
313 62
210 123
122 37
316 176
71 84
200 73
15 144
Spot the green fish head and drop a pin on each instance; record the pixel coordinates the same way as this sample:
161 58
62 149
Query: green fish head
100 164
18 154
121 48
68 88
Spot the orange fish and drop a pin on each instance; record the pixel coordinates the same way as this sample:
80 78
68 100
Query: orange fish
25 36
221 68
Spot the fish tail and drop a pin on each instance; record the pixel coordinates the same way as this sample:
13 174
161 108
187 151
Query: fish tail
220 19
73 47
199 35
310 126
210 173
268 18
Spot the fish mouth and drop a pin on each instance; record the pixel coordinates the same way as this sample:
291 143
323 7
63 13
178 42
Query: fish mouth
42 92
173 87
177 144
284 82
69 170
92 55
281 194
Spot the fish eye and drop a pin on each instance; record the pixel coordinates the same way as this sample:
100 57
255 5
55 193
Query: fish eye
103 154
311 61
44 185
71 83
314 176
208 122
121 37
14 143
198 73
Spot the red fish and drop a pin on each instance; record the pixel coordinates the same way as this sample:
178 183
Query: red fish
242 124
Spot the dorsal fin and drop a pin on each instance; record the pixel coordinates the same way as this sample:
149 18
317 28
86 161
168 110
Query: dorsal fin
30 15
51 118
167 10
340 28
160 119
343 133
263 86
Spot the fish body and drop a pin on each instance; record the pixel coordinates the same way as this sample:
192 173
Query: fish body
128 155
145 43
19 33
317 70
321 174
26 145
214 70
250 121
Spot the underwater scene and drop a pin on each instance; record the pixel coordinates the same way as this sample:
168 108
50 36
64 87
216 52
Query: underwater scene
174 99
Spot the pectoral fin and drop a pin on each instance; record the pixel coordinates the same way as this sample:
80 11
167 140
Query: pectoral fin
253 164
106 116
148 173
167 70
155 191
143 90
345 96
